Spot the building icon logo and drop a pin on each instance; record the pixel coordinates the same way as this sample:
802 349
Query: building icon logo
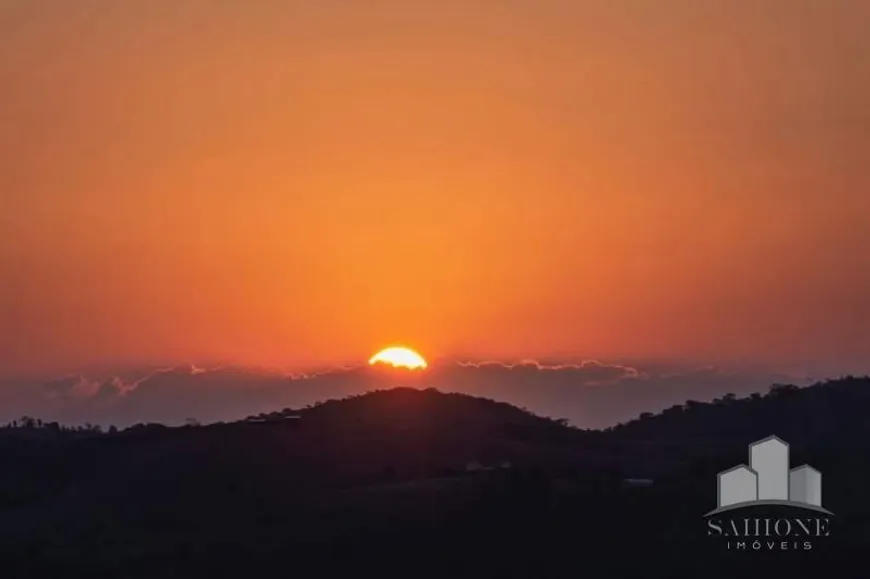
768 481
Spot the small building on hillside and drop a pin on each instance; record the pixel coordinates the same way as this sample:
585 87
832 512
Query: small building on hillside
476 466
290 420
636 482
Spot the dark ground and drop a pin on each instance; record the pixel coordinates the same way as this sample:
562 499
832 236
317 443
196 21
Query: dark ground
376 485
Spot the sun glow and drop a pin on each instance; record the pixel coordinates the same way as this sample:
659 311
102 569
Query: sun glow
399 357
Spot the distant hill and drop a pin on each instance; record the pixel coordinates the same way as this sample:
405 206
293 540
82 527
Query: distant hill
430 413
410 408
833 410
382 436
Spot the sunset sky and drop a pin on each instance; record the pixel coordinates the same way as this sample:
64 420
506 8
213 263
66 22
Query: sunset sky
293 183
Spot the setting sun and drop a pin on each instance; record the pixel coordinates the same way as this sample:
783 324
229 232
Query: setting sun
399 357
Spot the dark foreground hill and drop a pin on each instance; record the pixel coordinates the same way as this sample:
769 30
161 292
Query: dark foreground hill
424 484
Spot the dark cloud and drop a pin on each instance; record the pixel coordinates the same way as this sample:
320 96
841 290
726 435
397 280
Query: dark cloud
591 394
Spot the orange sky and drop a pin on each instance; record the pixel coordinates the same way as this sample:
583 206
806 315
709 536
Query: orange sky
293 183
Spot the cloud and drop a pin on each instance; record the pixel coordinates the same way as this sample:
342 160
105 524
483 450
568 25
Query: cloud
591 393
589 372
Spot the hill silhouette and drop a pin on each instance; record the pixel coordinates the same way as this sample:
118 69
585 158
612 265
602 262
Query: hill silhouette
830 409
422 483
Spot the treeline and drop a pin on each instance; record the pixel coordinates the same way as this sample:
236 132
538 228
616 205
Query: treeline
30 424
831 408
36 428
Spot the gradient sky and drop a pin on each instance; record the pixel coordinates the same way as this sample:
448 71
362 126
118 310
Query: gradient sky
291 183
